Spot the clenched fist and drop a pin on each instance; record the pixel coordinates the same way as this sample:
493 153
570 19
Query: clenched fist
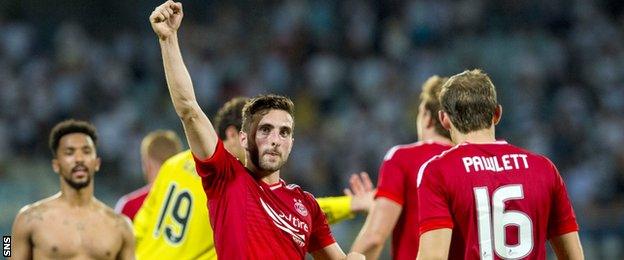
166 19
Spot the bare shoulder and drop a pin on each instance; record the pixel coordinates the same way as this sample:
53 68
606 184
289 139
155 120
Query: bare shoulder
32 214
119 221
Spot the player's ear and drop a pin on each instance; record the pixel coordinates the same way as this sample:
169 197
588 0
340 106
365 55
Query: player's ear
429 119
445 120
55 165
231 133
242 138
498 113
98 162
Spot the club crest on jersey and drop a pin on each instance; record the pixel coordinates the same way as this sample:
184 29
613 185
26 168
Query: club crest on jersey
301 208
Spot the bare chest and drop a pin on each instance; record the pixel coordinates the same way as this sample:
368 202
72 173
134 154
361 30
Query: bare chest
86 236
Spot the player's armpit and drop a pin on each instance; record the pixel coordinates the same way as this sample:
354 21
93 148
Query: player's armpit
21 235
435 244
567 246
378 226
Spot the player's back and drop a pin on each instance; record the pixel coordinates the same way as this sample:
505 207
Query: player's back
397 182
173 222
502 201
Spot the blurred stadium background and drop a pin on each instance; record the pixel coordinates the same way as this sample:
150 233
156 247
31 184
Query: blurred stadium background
354 69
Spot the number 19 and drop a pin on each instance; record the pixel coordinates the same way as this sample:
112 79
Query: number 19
180 213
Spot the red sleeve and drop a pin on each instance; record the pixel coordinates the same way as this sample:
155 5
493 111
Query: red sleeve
320 236
216 171
434 212
391 182
562 219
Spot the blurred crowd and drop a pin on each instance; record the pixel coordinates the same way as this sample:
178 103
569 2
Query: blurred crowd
354 69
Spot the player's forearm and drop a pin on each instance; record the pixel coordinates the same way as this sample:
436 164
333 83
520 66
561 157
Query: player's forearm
380 222
200 133
371 239
370 245
178 78
355 256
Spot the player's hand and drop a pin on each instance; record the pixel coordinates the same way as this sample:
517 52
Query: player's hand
361 192
355 256
166 19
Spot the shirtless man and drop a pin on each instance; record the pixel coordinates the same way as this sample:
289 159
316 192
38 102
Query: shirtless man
72 224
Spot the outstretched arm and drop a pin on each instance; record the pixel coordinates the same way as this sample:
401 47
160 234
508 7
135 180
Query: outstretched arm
200 133
378 226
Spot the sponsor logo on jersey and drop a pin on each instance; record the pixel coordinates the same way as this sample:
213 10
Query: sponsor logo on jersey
290 224
301 208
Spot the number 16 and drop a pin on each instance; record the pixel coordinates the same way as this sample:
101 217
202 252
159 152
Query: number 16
499 219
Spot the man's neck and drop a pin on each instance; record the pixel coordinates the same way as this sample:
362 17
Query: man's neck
267 177
434 137
475 137
79 198
230 146
272 178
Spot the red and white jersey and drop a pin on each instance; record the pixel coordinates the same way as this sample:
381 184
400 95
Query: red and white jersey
254 220
130 203
501 201
397 182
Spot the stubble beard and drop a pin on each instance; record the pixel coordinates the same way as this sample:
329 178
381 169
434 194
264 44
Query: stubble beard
77 185
263 164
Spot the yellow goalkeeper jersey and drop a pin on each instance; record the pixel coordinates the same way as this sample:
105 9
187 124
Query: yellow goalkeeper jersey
173 222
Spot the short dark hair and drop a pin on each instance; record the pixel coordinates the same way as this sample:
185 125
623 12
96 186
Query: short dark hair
230 114
429 95
70 126
262 103
469 98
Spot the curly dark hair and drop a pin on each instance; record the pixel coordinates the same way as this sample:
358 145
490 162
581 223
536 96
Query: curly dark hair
70 126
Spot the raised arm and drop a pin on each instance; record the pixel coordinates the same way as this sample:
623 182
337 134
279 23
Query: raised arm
22 245
200 133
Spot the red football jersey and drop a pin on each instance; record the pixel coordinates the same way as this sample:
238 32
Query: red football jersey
397 182
130 203
501 201
254 220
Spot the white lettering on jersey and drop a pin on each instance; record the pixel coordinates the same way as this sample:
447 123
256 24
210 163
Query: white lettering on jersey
289 224
495 163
